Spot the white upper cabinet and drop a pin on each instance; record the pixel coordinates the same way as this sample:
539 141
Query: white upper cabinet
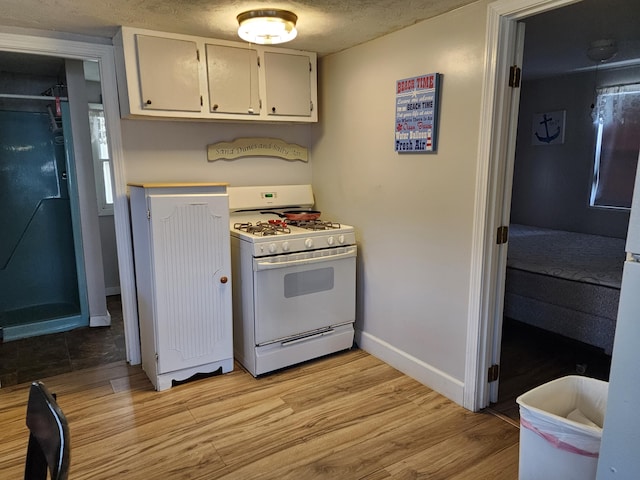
168 70
167 75
232 75
288 84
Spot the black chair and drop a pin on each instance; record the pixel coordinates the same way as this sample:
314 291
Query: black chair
48 447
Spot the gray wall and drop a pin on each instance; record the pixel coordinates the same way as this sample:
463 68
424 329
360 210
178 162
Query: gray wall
90 226
551 183
414 213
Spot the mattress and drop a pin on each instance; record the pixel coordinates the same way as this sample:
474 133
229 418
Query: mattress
573 256
565 282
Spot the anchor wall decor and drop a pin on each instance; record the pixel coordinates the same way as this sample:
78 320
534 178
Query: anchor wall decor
548 128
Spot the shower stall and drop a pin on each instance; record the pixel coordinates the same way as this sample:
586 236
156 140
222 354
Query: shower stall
42 280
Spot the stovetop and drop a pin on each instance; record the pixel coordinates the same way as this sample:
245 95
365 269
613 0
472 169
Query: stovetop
273 235
262 228
256 218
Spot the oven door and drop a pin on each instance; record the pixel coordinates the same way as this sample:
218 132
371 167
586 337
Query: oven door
300 293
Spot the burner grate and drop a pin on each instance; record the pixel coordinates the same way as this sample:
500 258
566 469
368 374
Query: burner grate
262 229
314 224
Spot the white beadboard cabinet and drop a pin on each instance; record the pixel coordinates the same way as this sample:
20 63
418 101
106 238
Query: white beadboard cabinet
183 279
168 75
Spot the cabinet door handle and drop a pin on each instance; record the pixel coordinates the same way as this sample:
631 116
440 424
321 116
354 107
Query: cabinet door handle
273 109
148 102
224 279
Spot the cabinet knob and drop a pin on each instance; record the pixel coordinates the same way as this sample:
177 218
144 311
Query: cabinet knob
215 106
224 279
148 102
273 109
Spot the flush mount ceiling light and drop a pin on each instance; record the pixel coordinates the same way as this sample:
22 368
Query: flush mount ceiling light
267 27
602 50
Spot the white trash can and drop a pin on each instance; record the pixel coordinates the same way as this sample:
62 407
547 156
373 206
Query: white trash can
561 428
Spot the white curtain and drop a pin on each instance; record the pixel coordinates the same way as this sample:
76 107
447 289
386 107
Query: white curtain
619 103
617 119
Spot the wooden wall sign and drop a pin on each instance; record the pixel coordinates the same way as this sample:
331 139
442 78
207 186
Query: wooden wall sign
256 147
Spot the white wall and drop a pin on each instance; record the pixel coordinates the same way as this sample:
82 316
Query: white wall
413 212
177 151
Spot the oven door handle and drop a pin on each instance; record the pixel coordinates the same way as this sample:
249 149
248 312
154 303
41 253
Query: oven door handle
266 265
304 338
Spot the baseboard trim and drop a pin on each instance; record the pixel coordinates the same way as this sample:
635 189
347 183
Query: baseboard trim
424 373
100 320
109 291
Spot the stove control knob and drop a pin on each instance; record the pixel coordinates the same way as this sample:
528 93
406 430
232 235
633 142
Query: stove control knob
331 240
308 243
341 239
273 248
285 246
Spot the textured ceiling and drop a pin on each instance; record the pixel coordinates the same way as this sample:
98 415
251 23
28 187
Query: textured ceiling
323 26
555 41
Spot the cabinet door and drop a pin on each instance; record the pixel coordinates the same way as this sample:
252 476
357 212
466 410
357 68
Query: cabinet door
191 263
168 70
232 75
288 84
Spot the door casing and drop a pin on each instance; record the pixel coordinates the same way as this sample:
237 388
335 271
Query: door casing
496 119
104 55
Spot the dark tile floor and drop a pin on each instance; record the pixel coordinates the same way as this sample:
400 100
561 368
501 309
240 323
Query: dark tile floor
531 357
35 358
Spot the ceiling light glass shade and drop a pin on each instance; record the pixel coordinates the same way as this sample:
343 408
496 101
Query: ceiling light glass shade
602 50
267 27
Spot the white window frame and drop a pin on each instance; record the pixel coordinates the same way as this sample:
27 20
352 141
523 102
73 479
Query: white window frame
606 111
101 160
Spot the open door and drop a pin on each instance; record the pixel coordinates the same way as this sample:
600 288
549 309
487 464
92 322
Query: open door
504 202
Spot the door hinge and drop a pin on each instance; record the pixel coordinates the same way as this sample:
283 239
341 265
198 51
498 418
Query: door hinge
201 102
310 67
311 106
148 214
503 235
514 76
494 373
258 61
198 55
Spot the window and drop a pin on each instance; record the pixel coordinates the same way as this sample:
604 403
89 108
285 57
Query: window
102 166
617 119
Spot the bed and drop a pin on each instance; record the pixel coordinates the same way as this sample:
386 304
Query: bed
565 282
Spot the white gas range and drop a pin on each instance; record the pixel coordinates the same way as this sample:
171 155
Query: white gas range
293 281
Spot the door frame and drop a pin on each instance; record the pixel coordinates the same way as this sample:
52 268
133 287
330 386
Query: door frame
104 55
496 127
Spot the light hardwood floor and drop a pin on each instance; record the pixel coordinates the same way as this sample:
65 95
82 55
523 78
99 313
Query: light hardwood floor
347 416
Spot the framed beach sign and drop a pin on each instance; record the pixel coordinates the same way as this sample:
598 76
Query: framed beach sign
417 105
